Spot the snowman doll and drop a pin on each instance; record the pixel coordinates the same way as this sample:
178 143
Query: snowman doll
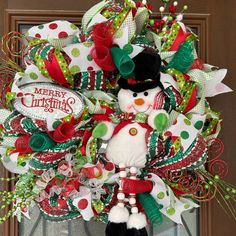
127 141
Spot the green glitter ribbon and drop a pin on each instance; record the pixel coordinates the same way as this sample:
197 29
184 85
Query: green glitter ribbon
40 142
153 144
123 62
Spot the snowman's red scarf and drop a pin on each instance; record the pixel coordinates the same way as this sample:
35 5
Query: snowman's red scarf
122 124
126 119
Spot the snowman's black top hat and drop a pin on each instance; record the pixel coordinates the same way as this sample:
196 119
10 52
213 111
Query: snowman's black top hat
146 74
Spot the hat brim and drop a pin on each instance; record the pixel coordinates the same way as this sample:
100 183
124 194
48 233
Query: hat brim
139 86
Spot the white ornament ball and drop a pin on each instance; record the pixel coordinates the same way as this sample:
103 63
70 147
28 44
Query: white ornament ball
121 165
132 201
165 18
133 170
179 17
175 3
121 204
161 9
144 2
122 174
164 29
121 196
134 210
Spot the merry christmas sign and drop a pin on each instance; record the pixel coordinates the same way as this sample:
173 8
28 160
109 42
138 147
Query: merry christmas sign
39 100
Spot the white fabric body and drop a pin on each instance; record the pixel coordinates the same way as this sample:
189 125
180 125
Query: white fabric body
127 149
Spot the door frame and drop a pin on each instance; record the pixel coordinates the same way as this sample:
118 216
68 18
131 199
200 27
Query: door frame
14 20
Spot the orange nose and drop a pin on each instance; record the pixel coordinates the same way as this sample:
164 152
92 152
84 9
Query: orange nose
139 101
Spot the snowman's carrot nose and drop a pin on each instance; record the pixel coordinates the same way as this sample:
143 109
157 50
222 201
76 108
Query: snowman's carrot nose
139 101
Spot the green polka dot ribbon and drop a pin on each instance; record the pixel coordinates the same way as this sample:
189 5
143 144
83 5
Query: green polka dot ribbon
174 32
171 37
41 66
186 88
211 127
119 19
64 66
41 58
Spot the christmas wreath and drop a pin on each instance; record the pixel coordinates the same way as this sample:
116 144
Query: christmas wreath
110 121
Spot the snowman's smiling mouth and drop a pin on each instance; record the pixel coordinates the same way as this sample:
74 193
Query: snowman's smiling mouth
143 110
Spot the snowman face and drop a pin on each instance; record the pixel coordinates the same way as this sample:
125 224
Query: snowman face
132 102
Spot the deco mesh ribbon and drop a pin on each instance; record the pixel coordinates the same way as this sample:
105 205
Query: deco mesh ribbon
59 160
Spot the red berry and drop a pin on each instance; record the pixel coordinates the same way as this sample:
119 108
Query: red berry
134 11
138 4
157 24
153 28
162 22
172 9
150 7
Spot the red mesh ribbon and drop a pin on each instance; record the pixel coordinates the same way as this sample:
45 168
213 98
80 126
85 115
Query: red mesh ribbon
180 38
102 57
22 144
63 132
102 35
102 39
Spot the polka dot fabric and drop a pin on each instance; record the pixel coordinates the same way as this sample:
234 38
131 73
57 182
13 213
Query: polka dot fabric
54 30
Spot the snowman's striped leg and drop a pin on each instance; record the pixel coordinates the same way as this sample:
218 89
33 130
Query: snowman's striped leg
119 214
132 196
137 221
120 194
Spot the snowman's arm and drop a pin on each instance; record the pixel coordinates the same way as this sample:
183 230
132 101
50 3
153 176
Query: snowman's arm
136 186
158 119
103 130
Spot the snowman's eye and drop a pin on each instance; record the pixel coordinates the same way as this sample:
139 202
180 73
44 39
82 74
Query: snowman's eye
145 93
135 94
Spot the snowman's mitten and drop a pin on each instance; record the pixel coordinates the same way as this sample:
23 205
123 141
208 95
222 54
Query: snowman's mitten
136 186
158 119
103 130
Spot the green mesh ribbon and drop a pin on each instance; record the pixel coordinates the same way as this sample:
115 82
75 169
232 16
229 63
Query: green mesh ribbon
7 122
171 102
29 126
152 208
153 144
180 155
64 146
40 142
123 62
183 58
35 164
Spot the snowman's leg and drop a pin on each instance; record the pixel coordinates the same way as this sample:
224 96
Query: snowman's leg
137 221
119 214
